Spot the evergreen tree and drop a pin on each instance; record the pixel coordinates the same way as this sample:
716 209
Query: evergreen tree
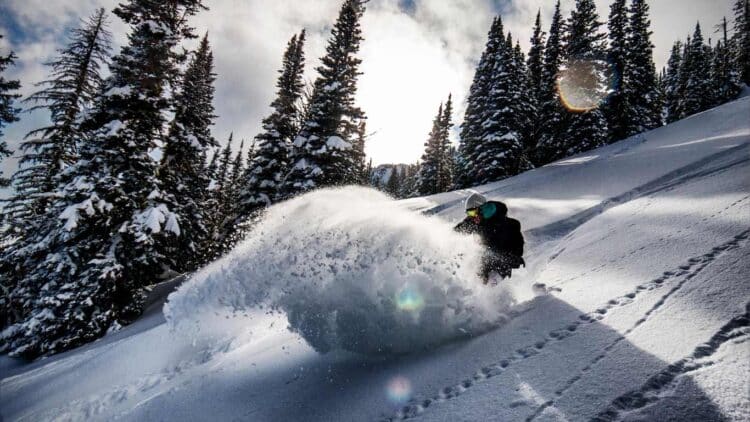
476 103
536 87
409 181
643 92
429 178
8 113
219 188
360 175
741 40
584 54
446 164
697 92
552 115
617 109
526 107
264 174
683 75
393 185
536 60
75 79
102 239
501 148
324 149
368 172
231 229
209 205
182 173
726 81
212 168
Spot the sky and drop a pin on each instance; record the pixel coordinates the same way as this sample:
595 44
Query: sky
415 53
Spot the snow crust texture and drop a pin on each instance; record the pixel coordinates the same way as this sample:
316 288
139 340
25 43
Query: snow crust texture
351 270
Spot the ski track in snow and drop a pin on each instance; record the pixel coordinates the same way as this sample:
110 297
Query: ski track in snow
629 253
676 278
708 166
653 390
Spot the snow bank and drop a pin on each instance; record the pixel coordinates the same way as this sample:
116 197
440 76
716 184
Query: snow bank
351 270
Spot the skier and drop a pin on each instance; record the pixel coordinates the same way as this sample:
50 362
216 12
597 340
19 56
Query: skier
500 234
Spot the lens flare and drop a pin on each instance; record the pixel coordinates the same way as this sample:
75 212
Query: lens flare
409 299
398 390
584 84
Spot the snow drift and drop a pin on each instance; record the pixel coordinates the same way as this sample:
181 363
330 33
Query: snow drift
350 269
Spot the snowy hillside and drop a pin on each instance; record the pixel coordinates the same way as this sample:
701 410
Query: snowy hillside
642 248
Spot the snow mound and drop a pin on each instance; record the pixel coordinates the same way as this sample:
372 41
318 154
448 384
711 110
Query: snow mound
350 269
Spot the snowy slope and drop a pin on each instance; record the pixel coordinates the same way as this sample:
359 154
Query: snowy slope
642 246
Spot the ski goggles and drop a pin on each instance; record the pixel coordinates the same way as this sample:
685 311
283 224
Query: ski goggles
472 212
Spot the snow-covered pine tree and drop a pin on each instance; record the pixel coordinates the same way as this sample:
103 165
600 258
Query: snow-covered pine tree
8 113
671 82
101 243
210 202
446 164
223 173
182 173
360 174
644 97
661 85
535 62
74 81
409 181
682 79
552 115
393 185
617 109
535 78
265 173
229 231
323 150
211 168
477 100
368 172
501 148
220 171
585 47
726 80
525 103
429 177
697 93
741 40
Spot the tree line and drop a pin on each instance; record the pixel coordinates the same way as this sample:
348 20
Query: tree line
523 112
118 192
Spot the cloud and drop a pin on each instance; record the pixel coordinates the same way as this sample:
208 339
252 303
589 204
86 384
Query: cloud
415 52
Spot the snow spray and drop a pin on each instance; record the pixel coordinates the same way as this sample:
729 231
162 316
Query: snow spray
351 270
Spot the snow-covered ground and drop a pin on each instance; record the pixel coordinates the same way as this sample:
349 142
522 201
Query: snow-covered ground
642 246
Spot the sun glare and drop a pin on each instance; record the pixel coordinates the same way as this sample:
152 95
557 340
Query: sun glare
583 85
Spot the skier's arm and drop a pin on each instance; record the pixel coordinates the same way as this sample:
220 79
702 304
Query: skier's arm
464 227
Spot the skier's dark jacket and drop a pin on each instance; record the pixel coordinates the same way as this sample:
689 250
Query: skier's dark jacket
502 236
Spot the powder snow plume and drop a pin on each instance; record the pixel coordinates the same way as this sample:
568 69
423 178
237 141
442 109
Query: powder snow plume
350 269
